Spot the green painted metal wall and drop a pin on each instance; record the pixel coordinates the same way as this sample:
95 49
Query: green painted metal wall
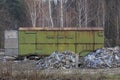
44 42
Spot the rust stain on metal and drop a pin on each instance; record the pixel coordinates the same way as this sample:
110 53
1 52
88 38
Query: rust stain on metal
48 28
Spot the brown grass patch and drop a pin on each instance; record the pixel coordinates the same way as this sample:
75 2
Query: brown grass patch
7 72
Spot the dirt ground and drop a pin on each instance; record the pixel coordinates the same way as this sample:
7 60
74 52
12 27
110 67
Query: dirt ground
26 70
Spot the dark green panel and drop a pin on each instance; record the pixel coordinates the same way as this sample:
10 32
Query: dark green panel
26 49
21 36
99 46
27 37
85 37
47 37
66 37
83 49
64 47
30 38
46 49
99 37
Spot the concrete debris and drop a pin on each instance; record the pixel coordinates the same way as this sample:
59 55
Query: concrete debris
58 60
103 58
100 58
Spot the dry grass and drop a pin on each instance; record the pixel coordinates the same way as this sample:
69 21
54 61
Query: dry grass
7 72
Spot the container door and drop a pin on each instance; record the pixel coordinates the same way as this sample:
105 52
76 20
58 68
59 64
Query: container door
27 42
66 40
99 39
84 42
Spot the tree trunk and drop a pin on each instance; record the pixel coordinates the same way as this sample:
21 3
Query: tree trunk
61 15
50 13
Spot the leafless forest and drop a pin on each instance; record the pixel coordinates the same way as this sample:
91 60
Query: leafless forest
62 13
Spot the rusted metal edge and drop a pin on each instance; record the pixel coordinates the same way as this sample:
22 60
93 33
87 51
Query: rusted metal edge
68 28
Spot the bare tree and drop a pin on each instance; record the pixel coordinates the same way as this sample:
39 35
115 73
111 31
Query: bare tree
32 4
40 12
87 12
61 17
104 12
50 13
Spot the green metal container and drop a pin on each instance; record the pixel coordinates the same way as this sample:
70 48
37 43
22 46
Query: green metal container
44 41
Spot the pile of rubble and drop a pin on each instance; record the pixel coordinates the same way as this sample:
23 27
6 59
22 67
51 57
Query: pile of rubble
64 60
103 58
100 58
